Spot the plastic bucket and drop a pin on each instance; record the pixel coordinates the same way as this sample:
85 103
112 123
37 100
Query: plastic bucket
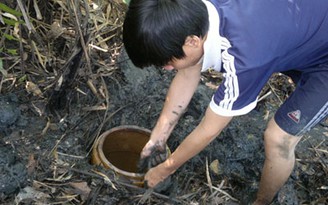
119 149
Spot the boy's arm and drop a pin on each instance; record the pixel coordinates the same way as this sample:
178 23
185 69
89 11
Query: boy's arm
178 97
210 127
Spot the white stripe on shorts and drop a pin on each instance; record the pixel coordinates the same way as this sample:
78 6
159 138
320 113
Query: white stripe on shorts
323 112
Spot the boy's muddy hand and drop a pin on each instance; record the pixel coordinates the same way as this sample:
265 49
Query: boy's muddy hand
146 151
152 155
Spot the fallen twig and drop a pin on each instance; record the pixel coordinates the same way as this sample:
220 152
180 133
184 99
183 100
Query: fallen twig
26 18
209 181
82 36
320 160
139 189
264 96
224 192
272 89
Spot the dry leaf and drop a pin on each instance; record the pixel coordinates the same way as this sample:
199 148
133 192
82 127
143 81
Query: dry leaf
33 88
29 193
214 166
31 164
82 189
55 30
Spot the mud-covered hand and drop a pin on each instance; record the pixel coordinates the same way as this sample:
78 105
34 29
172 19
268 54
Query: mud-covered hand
152 155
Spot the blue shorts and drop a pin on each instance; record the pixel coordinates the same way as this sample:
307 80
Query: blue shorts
308 104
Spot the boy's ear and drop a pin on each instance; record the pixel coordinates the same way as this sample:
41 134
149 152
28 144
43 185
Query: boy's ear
192 41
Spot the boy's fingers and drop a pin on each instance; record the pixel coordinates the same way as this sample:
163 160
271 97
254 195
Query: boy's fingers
143 164
158 157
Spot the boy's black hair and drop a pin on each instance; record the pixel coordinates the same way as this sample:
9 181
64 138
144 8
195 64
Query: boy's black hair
154 31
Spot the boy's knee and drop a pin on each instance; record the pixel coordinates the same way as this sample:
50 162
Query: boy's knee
278 143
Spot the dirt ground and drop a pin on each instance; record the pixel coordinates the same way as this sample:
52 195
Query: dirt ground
46 158
47 132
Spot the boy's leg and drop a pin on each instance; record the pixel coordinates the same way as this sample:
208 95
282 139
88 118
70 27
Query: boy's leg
305 108
279 162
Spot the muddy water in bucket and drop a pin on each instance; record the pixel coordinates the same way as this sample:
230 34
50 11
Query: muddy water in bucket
119 149
122 148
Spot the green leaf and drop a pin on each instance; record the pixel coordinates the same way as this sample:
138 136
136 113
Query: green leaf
2 70
5 8
12 52
127 2
9 37
22 79
9 21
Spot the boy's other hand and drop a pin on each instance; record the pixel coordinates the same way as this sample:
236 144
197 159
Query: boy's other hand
158 178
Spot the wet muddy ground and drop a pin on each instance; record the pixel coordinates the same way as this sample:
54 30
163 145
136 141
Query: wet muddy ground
45 156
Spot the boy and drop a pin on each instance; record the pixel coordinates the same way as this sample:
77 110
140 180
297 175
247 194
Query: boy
247 41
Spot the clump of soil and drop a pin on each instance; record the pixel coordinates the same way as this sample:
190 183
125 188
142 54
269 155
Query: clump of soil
13 171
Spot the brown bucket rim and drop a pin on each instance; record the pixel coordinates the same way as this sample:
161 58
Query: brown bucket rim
102 155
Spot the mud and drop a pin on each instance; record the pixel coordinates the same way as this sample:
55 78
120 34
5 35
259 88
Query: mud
136 98
13 171
10 114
